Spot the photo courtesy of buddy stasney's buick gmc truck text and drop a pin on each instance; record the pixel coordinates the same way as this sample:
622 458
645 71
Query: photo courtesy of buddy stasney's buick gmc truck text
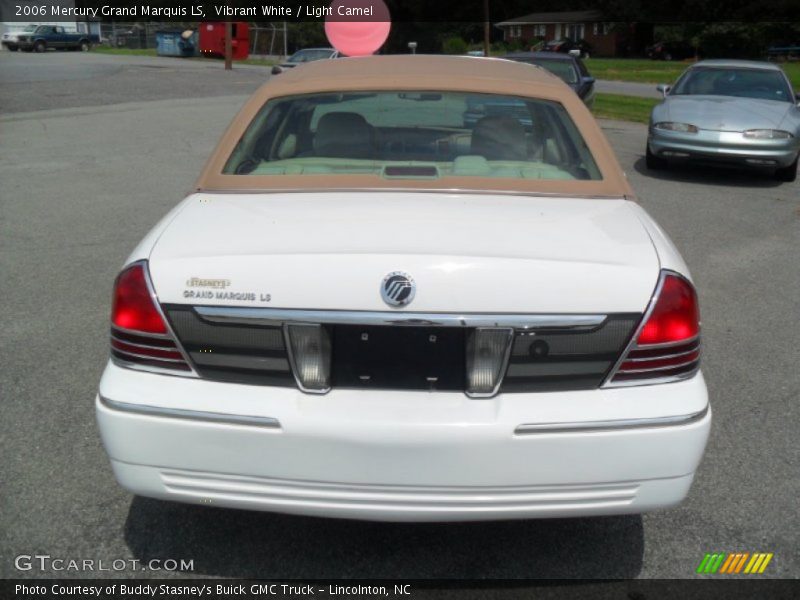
373 307
149 590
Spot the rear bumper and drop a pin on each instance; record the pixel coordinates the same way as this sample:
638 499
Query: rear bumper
402 456
723 147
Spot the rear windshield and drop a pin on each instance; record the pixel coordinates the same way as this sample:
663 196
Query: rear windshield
413 135
740 82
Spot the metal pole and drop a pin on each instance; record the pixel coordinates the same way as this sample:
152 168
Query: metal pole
272 39
285 42
228 46
487 33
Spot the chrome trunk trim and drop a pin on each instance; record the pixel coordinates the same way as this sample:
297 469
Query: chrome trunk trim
279 316
194 415
616 425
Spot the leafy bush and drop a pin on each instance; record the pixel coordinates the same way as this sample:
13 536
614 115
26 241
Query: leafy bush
454 45
516 45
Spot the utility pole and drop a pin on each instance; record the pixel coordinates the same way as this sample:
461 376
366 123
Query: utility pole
487 33
228 44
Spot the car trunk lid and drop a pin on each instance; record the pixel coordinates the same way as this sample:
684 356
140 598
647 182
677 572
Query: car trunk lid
466 252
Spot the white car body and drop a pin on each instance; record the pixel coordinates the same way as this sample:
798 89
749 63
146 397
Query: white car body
404 455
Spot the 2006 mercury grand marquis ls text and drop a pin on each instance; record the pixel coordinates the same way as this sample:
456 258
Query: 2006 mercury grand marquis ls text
370 310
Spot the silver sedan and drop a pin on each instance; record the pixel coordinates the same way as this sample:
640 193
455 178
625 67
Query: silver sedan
728 111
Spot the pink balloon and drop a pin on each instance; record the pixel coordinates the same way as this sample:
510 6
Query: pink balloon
359 34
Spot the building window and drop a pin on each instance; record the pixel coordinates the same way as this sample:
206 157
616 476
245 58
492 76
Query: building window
601 28
575 32
540 30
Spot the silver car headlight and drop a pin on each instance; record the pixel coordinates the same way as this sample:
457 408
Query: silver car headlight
767 134
682 127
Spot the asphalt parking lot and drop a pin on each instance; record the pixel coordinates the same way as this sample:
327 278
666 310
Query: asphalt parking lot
95 149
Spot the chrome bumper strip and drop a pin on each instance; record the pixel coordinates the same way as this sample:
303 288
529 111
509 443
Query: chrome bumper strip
599 426
278 316
194 415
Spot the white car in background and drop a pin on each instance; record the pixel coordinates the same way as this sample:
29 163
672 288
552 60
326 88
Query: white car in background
369 310
10 39
302 57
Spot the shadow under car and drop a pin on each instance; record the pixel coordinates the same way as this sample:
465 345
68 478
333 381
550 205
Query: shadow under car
245 544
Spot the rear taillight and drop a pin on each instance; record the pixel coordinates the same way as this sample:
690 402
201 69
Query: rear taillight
666 347
139 333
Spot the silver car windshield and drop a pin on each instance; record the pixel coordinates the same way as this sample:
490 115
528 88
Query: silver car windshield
413 135
309 55
760 84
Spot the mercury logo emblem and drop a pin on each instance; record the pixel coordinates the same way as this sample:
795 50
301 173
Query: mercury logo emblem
398 288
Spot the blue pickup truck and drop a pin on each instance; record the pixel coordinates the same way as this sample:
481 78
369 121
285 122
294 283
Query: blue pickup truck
54 36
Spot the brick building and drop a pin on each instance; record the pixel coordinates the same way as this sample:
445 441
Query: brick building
605 39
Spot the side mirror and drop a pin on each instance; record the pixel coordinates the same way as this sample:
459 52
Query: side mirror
663 88
588 80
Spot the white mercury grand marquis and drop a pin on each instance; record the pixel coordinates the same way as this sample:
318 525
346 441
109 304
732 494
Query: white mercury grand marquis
370 309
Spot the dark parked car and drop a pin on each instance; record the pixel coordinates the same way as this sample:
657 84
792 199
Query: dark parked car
670 51
304 56
570 69
55 36
784 51
566 46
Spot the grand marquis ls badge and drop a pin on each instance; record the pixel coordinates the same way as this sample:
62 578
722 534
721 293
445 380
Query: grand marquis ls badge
398 288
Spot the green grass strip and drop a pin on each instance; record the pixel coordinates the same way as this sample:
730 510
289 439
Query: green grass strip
623 108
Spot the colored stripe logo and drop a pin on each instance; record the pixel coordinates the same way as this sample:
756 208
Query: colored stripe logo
734 563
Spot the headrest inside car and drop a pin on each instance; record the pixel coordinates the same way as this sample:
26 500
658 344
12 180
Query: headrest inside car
343 135
499 138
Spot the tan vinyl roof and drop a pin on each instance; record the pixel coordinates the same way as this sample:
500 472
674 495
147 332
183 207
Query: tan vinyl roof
417 73
406 69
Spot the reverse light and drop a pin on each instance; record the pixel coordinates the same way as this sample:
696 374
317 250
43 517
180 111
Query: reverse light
682 127
488 350
666 346
140 337
309 347
767 134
